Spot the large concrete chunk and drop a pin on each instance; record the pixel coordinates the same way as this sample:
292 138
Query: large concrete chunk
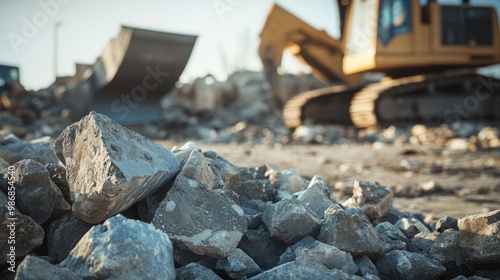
109 167
36 195
317 197
33 268
479 237
26 234
238 265
122 249
13 149
310 250
351 233
303 270
226 175
408 266
290 221
63 234
373 198
196 218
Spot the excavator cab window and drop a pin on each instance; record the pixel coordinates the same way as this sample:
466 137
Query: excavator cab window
394 19
466 26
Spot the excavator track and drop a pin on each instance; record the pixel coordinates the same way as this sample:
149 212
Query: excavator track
447 96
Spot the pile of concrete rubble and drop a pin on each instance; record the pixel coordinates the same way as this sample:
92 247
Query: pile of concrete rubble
238 110
103 202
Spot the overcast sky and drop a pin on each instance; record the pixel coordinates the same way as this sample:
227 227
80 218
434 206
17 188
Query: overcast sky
88 25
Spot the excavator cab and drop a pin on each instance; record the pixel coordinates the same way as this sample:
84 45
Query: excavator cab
429 51
402 38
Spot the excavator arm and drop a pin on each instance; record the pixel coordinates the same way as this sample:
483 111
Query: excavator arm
284 31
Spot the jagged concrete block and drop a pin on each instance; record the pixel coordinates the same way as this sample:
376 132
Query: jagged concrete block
317 197
34 268
201 220
36 195
406 265
373 198
25 232
290 221
226 175
63 234
109 167
351 233
13 149
122 249
238 265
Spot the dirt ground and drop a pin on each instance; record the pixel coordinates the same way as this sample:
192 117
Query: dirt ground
468 182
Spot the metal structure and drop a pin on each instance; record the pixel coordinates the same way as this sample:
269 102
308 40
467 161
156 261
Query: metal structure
428 54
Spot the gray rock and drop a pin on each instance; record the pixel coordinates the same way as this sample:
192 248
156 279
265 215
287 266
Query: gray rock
411 226
226 175
63 234
373 198
393 236
260 189
12 150
446 223
187 215
479 237
196 167
290 221
445 248
27 234
57 174
195 271
34 268
109 167
288 180
36 195
3 164
254 217
303 270
250 174
122 249
366 266
262 248
351 233
238 265
422 241
317 197
407 265
312 251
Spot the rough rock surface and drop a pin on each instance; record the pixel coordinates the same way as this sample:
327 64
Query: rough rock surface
410 227
393 236
12 150
195 271
311 250
422 241
109 167
34 268
261 247
479 237
445 248
186 215
373 198
409 266
122 249
256 189
351 233
196 167
446 223
303 270
58 176
366 266
317 197
63 234
238 265
28 234
226 175
290 220
36 195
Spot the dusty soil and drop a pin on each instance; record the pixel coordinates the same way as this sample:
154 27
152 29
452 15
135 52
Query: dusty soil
469 182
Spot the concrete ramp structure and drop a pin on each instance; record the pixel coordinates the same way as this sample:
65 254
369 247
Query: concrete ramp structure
136 69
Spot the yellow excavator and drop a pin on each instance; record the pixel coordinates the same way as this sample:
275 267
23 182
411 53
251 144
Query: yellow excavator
428 52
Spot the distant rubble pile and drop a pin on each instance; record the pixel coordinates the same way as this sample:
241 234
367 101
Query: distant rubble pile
104 202
237 110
